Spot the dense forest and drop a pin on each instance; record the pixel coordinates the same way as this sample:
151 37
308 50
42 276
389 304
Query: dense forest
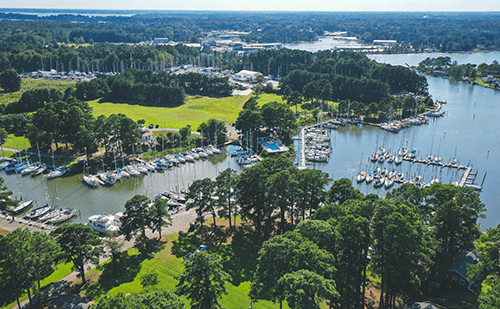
445 32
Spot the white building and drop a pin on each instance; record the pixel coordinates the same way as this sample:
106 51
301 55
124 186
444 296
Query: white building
246 76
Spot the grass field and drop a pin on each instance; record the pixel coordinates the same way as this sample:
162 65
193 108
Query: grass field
237 262
195 111
29 84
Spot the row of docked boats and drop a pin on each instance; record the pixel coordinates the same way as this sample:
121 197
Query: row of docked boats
44 212
386 179
317 144
398 125
138 166
25 168
381 156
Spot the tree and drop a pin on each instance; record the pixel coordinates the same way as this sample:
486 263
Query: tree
5 196
266 276
282 190
294 253
305 289
249 121
454 221
342 190
185 132
3 136
115 249
136 219
488 247
203 281
294 98
402 250
225 191
158 212
10 80
215 130
200 192
45 251
79 243
15 255
311 193
490 299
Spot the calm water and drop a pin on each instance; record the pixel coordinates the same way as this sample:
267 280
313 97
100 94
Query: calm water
468 129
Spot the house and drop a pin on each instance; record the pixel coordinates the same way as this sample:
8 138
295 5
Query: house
455 274
488 79
147 137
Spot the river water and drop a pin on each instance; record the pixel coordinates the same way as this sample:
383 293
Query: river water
468 131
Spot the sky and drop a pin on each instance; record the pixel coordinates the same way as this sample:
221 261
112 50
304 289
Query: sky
262 5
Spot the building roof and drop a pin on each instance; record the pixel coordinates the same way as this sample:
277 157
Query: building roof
461 260
425 305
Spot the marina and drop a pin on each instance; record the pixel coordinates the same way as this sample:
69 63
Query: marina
464 132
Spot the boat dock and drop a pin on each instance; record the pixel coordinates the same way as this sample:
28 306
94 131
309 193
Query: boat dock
302 164
467 178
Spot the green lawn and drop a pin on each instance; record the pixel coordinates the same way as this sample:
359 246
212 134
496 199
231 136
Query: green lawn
29 84
61 271
195 111
269 97
167 266
17 142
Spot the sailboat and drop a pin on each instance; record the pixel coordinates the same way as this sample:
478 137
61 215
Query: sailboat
57 172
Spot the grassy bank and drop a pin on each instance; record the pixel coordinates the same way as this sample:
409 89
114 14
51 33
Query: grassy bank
195 111
31 84
166 261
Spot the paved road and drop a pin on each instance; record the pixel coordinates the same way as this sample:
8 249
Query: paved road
180 222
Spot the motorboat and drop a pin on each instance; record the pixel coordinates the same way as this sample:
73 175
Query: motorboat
104 224
374 157
239 152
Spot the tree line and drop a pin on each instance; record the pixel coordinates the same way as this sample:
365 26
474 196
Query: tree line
145 86
445 32
405 238
459 71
